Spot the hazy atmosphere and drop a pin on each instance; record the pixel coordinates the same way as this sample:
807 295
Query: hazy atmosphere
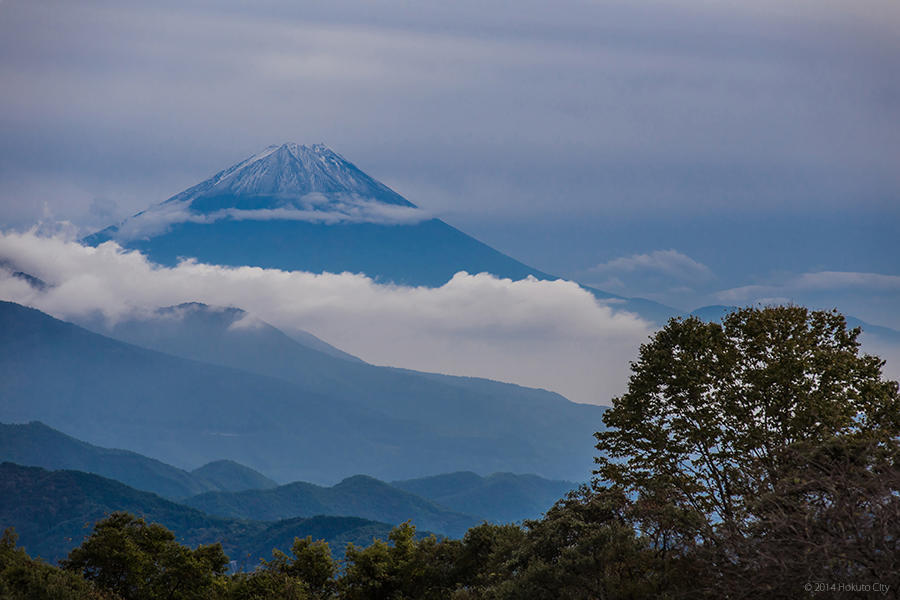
690 152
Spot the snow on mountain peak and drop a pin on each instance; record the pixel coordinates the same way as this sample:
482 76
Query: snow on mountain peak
284 175
282 182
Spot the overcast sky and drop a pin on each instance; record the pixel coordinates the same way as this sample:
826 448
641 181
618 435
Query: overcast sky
692 152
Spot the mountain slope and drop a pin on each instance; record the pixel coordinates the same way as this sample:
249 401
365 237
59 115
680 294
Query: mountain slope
52 511
183 412
426 253
500 498
188 413
38 445
453 406
359 495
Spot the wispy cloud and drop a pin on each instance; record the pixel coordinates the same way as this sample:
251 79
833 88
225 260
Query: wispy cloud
314 208
549 334
670 263
836 280
840 281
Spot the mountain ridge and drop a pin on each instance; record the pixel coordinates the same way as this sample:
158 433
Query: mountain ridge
358 495
187 412
442 499
36 444
51 512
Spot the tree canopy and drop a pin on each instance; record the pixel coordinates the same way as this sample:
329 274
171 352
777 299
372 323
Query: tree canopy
141 561
718 417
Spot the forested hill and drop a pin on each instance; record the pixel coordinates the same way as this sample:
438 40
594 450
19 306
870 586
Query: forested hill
52 511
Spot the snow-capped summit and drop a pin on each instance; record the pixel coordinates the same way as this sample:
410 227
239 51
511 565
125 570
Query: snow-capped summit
286 176
290 182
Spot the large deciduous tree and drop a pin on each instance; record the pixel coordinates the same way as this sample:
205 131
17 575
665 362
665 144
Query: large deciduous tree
720 440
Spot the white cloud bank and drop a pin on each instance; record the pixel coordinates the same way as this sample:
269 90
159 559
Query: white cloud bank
536 333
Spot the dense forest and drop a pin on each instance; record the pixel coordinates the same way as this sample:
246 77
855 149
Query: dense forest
756 457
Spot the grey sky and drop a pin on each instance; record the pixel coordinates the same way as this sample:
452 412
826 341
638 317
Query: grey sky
759 140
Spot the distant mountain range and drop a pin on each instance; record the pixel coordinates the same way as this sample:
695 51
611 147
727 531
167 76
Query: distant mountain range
52 511
342 416
360 496
447 504
37 445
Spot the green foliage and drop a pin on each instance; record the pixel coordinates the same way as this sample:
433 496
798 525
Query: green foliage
24 578
429 568
263 584
311 564
380 571
711 410
138 561
585 548
759 454
484 558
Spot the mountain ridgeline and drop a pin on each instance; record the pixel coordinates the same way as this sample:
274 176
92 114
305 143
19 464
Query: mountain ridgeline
443 503
344 417
360 496
37 445
52 512
49 508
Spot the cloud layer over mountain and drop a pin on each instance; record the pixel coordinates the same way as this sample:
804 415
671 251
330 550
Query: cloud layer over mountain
348 209
537 333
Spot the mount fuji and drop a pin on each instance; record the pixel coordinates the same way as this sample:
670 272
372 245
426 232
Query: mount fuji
297 207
